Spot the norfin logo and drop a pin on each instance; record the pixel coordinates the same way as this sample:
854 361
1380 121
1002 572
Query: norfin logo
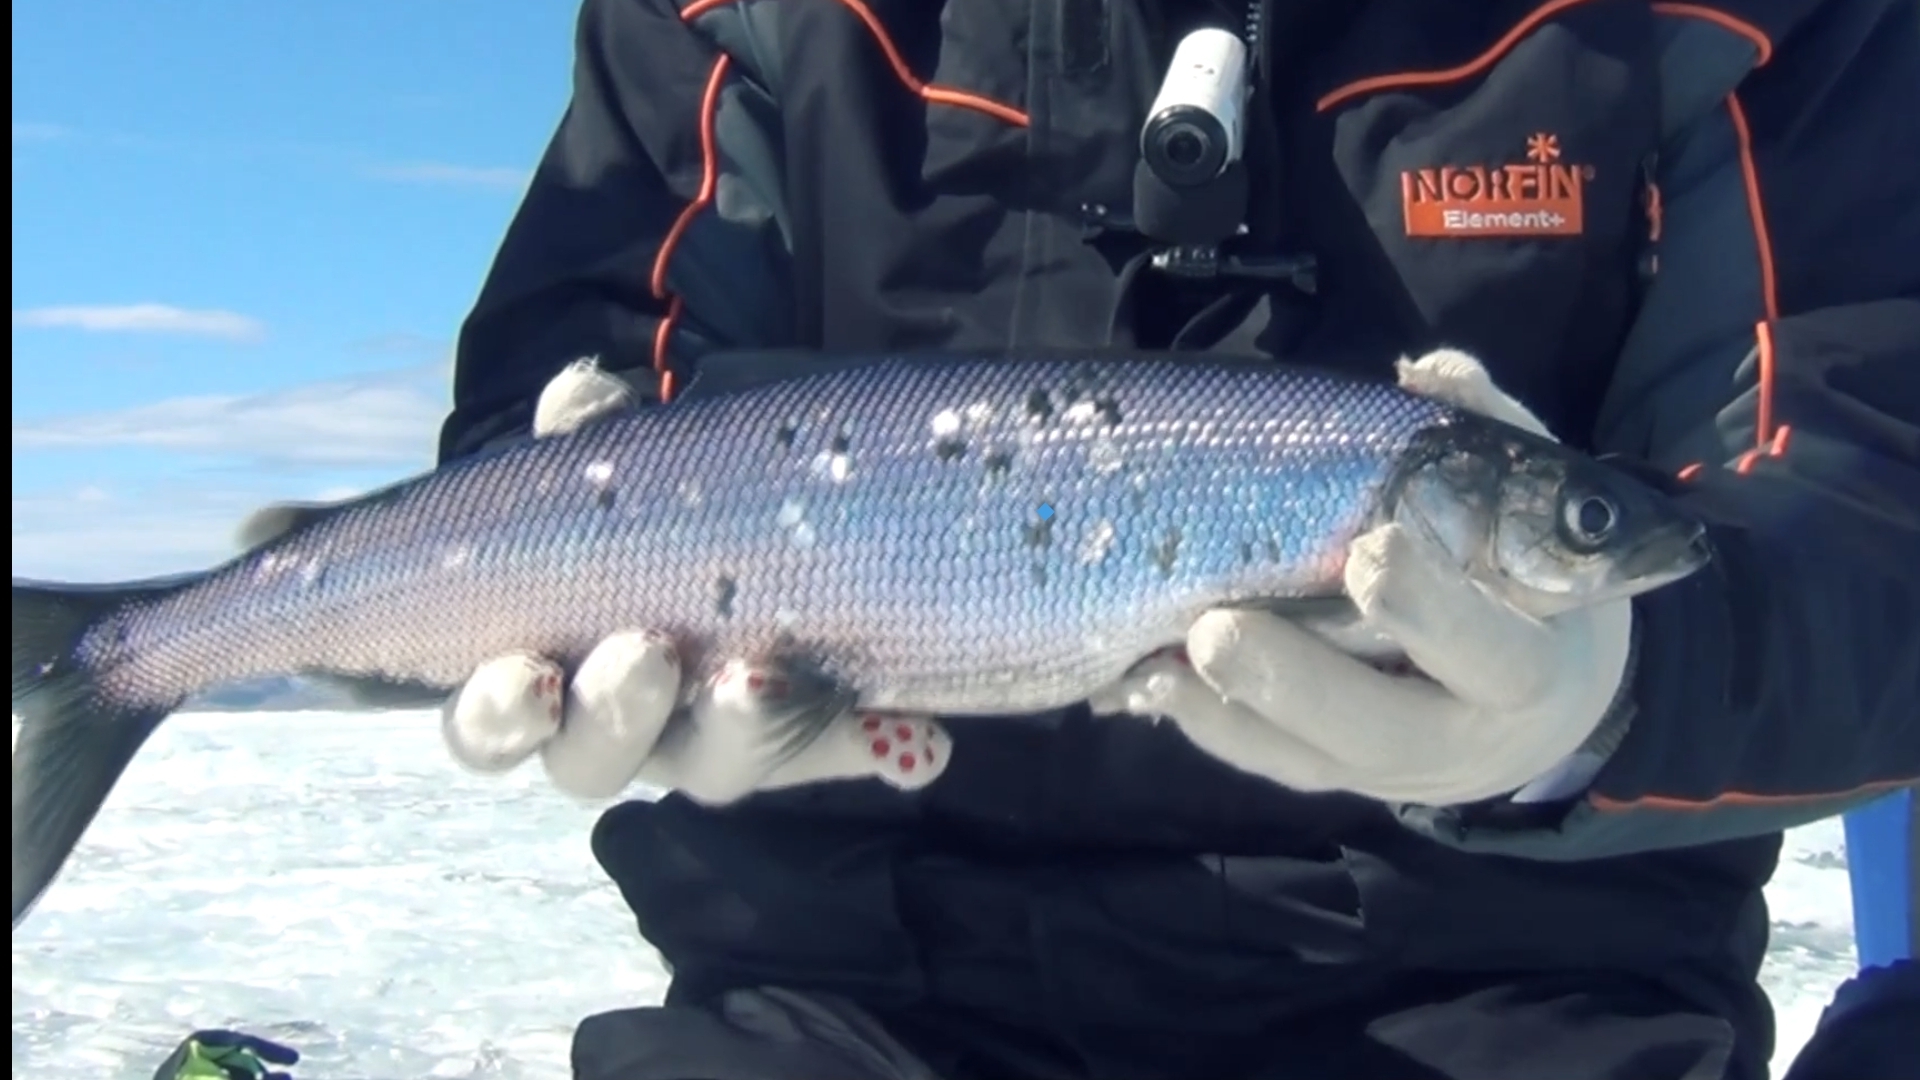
1535 197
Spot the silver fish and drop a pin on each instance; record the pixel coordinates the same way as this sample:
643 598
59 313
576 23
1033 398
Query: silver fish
954 536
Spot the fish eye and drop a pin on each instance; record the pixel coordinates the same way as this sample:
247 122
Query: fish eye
1589 520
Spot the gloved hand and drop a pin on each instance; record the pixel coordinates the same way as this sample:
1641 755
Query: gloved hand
611 723
1502 703
227 1055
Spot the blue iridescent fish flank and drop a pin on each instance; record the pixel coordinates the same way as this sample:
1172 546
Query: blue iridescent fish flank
964 536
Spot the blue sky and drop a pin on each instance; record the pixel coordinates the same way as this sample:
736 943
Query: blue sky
244 236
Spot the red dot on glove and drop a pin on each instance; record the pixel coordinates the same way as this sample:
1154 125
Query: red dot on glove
881 748
907 762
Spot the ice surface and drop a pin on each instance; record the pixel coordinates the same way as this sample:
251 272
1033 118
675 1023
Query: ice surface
333 881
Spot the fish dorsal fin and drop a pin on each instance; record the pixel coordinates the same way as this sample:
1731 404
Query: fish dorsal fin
273 521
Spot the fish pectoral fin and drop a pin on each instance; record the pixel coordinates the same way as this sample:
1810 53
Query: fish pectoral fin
782 706
271 522
793 723
377 692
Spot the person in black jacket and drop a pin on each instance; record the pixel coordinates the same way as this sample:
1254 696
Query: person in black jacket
1678 234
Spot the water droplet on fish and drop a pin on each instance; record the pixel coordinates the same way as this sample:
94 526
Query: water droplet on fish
833 466
785 618
1104 457
792 512
691 493
803 535
946 422
599 472
456 557
1098 541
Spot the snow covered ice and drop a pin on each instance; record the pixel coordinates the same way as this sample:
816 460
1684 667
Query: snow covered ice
333 881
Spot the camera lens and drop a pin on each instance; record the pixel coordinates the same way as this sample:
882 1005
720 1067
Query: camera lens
1185 148
1184 145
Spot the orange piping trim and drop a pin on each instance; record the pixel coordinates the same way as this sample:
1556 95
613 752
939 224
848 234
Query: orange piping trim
1762 44
710 164
1763 426
1738 798
927 92
709 183
1475 66
1406 80
1770 439
1756 211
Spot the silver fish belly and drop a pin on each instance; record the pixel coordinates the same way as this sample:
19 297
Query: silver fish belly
961 537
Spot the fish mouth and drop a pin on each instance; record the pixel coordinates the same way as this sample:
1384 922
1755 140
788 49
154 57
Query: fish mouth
1666 555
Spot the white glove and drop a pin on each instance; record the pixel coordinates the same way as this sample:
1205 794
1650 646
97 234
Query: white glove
612 723
1505 704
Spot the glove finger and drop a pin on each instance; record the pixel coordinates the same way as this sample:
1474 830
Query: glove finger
1459 379
617 705
1486 653
1170 688
1392 737
905 752
1153 688
1344 708
749 720
580 394
501 715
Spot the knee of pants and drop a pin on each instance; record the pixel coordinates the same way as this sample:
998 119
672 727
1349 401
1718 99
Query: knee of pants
765 1034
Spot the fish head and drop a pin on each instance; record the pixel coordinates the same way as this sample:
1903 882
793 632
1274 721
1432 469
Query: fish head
1546 528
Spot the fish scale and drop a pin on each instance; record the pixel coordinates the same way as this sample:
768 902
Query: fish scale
881 522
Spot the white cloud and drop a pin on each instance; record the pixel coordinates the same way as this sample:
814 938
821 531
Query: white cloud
144 319
442 173
390 419
24 131
93 536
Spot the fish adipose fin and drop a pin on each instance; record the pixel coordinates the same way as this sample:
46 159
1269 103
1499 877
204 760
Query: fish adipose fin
72 741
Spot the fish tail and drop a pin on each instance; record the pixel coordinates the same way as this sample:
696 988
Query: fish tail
71 740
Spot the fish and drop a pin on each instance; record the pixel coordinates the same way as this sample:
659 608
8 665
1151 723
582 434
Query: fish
957 535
